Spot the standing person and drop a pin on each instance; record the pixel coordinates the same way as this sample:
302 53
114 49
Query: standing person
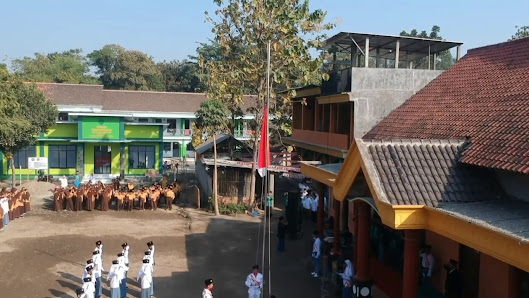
316 254
88 287
206 293
347 277
126 264
269 203
454 281
145 279
123 271
98 268
114 278
281 232
254 282
77 181
99 247
148 256
305 202
314 200
428 263
164 181
4 202
150 245
64 181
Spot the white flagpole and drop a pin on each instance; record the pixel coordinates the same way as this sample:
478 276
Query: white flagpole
268 163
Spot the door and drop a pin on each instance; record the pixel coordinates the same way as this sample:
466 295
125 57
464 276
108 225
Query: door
102 159
469 265
176 149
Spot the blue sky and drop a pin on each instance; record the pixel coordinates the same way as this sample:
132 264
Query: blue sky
171 29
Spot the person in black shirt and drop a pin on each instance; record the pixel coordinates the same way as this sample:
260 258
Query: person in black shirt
454 281
281 231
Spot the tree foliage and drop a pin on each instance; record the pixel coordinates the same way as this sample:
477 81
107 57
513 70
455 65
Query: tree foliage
180 76
24 114
66 67
444 59
119 68
243 29
521 32
212 117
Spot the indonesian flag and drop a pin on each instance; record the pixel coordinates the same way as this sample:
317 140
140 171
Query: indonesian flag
264 148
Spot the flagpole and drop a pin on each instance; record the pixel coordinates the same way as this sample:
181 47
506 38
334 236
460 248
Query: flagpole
268 162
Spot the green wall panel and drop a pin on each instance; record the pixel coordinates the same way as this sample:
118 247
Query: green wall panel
62 131
142 132
100 128
89 158
115 166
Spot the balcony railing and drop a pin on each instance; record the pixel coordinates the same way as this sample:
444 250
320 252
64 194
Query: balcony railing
326 139
178 132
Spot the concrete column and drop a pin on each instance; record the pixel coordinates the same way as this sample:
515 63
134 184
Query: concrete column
397 53
122 160
434 60
458 55
377 59
410 280
336 239
366 57
362 240
410 65
271 186
321 207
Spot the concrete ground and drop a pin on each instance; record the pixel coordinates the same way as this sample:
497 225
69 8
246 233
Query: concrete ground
43 254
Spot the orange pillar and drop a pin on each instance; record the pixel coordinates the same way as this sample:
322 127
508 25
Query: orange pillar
362 240
410 280
336 239
321 208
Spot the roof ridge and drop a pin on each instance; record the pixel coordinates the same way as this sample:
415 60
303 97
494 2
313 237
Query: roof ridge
497 45
414 141
155 92
67 84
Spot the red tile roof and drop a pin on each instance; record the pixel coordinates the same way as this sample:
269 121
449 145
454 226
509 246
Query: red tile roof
484 96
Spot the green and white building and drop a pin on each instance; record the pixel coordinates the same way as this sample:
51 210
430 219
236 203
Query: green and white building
113 132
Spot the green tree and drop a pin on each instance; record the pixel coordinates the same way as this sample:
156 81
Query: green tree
4 72
444 59
521 32
66 67
243 29
24 114
212 118
180 76
119 68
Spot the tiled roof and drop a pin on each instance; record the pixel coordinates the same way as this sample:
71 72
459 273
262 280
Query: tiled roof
125 100
484 96
425 172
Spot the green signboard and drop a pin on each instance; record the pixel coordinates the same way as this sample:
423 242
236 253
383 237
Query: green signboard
100 128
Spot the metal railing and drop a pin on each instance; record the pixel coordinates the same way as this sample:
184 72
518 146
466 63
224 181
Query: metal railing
178 132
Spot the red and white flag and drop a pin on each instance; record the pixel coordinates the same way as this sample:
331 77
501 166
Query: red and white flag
264 148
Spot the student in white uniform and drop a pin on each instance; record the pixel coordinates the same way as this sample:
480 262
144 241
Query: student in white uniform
99 247
145 279
148 256
254 282
126 265
347 278
64 181
315 198
150 245
316 254
114 278
305 202
88 287
98 268
206 293
123 270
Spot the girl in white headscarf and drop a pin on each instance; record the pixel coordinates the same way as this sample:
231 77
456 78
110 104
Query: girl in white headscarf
347 277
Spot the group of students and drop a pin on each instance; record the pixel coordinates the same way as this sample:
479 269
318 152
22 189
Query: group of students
13 204
117 274
310 200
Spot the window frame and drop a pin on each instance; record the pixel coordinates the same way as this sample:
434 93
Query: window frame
62 151
135 150
16 156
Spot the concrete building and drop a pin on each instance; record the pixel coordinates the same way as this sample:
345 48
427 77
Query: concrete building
448 168
370 76
115 132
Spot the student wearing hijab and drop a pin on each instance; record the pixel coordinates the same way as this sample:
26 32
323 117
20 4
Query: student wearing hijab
147 268
88 287
114 278
347 277
145 279
98 269
125 261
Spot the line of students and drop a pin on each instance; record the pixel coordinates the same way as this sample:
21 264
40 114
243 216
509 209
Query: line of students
117 274
13 204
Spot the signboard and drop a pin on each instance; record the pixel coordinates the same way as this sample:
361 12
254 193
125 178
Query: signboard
37 163
100 128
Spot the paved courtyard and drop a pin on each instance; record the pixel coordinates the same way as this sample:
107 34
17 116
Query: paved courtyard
43 254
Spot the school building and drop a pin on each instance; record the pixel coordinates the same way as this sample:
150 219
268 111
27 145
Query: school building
448 167
115 132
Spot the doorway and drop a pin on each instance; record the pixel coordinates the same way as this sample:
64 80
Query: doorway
102 159
469 265
176 149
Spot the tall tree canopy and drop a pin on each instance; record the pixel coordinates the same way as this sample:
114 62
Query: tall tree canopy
243 29
180 76
444 59
24 114
66 67
213 117
119 68
521 32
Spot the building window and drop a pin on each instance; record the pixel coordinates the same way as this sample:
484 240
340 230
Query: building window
21 157
62 156
172 123
143 120
158 120
62 116
141 157
166 147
